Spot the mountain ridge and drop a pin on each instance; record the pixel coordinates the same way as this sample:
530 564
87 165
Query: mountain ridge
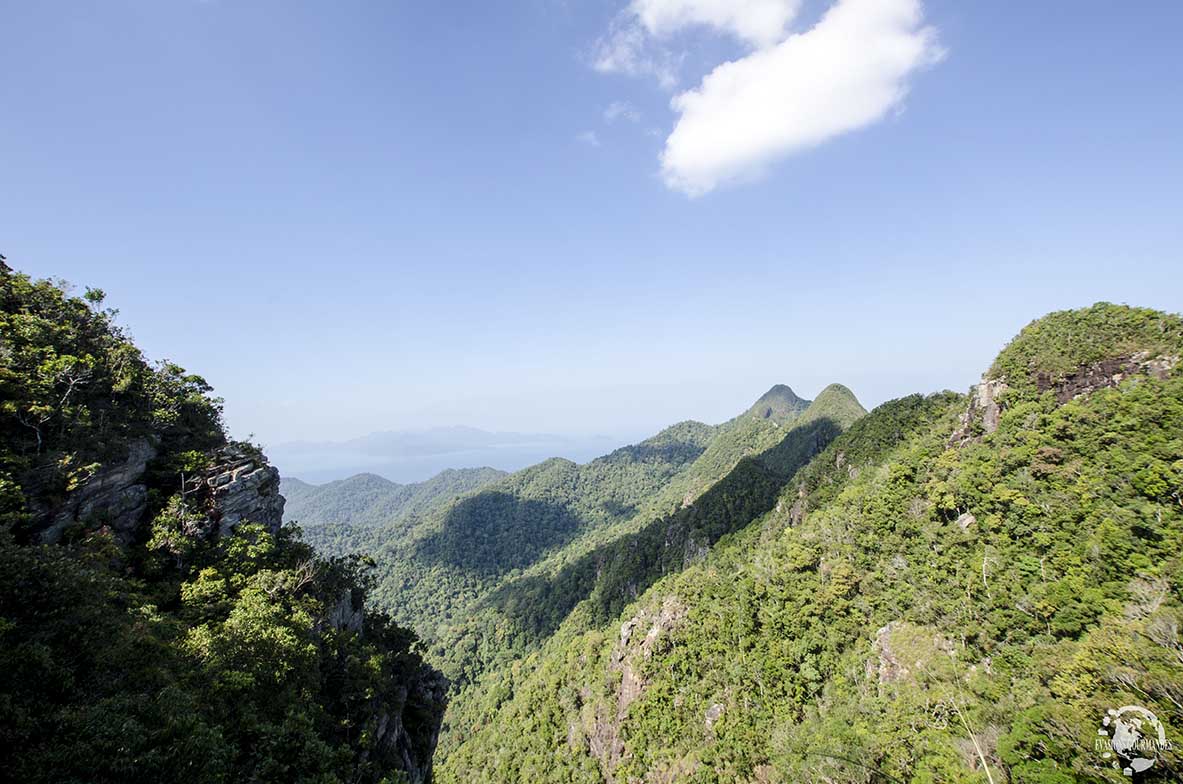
370 499
951 587
1004 575
780 404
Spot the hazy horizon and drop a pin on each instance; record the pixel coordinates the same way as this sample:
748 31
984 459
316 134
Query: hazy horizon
410 456
399 216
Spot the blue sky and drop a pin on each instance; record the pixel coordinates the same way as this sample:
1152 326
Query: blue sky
366 215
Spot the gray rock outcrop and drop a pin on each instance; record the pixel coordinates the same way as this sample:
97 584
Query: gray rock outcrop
115 496
986 403
408 726
242 486
984 411
1107 373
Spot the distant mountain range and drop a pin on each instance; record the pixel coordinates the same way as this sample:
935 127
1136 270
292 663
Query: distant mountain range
484 575
415 455
950 588
368 499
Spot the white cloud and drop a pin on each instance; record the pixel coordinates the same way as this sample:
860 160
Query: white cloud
589 138
621 110
634 43
758 22
626 50
848 71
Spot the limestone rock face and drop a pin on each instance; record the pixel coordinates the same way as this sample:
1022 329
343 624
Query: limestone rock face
243 487
1109 373
984 411
408 727
115 496
602 731
348 614
985 405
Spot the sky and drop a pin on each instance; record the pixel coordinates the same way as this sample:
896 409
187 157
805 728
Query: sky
587 216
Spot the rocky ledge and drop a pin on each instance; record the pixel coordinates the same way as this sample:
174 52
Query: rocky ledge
242 486
238 486
987 399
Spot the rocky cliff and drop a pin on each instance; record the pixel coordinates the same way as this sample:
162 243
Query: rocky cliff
157 620
238 485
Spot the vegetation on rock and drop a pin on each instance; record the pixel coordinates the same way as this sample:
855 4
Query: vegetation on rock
910 610
950 588
161 637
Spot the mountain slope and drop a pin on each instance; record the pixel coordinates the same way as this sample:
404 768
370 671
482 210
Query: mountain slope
432 567
587 590
368 499
486 579
956 589
156 621
779 404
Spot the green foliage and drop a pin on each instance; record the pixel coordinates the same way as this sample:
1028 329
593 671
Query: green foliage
1066 341
436 562
369 500
487 578
907 612
182 655
74 391
227 674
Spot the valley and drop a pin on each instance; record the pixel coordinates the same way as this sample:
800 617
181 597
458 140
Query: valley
950 587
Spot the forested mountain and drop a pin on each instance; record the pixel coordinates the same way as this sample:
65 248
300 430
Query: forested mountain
490 577
156 621
951 588
431 569
467 575
367 499
956 589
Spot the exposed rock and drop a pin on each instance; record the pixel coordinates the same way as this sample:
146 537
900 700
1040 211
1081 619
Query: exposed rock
408 726
348 613
797 511
901 649
115 496
985 407
984 411
1107 373
626 631
627 660
240 486
965 521
712 715
693 552
890 669
243 487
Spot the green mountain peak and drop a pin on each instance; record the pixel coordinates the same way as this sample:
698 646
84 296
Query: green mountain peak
779 404
1070 348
